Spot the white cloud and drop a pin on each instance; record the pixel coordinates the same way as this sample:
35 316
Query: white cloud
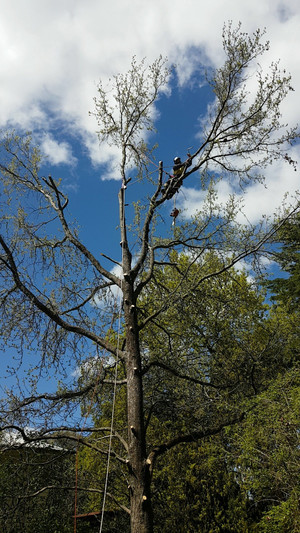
14 439
57 153
191 200
280 186
113 295
93 366
54 52
281 179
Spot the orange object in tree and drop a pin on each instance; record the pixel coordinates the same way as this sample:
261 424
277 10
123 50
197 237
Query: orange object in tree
174 213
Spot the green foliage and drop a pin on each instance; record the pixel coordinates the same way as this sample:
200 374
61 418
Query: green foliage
195 490
287 290
24 505
282 518
217 351
222 334
92 463
268 461
213 333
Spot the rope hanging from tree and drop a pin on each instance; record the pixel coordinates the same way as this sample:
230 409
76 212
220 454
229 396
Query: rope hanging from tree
112 417
124 187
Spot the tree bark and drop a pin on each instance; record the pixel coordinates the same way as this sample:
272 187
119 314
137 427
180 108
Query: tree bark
141 515
140 497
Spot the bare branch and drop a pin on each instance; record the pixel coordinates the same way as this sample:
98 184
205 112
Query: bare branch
89 298
174 372
55 317
72 488
79 245
193 436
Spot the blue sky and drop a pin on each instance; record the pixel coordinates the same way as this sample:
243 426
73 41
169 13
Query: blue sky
53 52
94 198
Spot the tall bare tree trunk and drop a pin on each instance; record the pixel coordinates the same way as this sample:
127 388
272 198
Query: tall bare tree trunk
141 517
141 509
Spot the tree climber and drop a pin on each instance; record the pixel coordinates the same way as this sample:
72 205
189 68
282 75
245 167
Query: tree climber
174 182
179 168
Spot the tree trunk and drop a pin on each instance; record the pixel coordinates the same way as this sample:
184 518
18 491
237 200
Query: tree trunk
141 517
140 497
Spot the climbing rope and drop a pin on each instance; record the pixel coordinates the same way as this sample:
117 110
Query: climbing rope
111 427
112 415
115 380
77 446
